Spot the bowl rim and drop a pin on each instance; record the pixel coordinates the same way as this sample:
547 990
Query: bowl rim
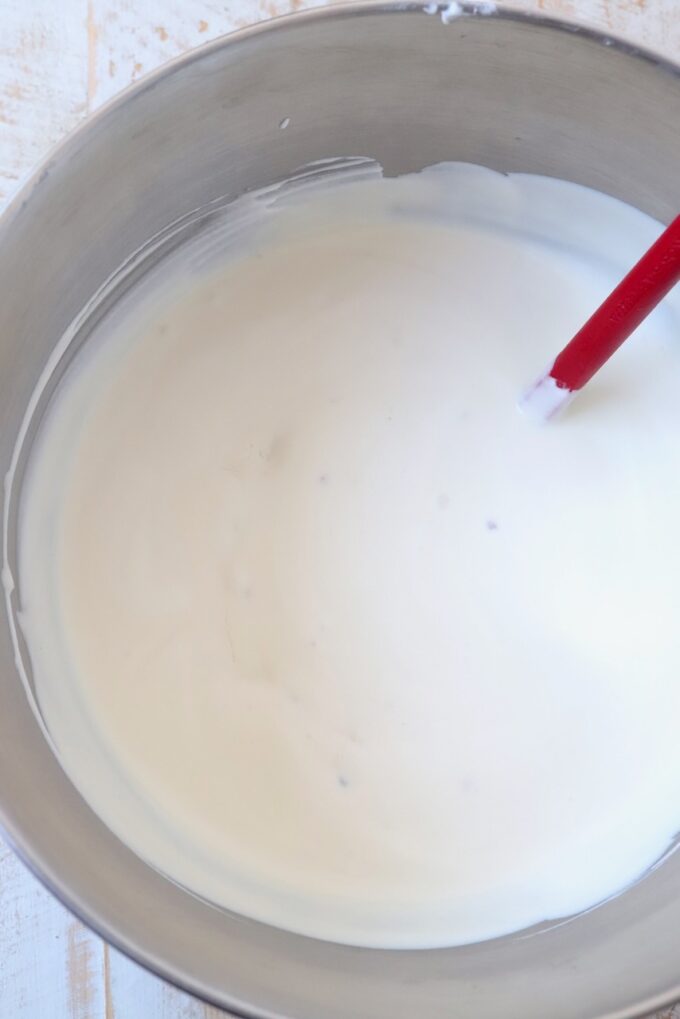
38 866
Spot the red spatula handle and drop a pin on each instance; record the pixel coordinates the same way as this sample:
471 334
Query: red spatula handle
645 285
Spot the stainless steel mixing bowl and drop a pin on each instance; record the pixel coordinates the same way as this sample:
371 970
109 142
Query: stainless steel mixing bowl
512 91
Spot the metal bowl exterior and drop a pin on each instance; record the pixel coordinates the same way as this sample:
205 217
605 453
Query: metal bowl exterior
511 91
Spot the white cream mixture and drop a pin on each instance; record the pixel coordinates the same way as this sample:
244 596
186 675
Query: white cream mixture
321 626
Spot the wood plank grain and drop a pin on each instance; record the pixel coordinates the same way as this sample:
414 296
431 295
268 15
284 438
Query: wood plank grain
50 965
42 82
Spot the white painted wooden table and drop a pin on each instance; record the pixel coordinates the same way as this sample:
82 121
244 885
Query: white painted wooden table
59 60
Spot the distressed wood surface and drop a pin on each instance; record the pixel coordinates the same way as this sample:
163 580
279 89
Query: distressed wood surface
59 60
